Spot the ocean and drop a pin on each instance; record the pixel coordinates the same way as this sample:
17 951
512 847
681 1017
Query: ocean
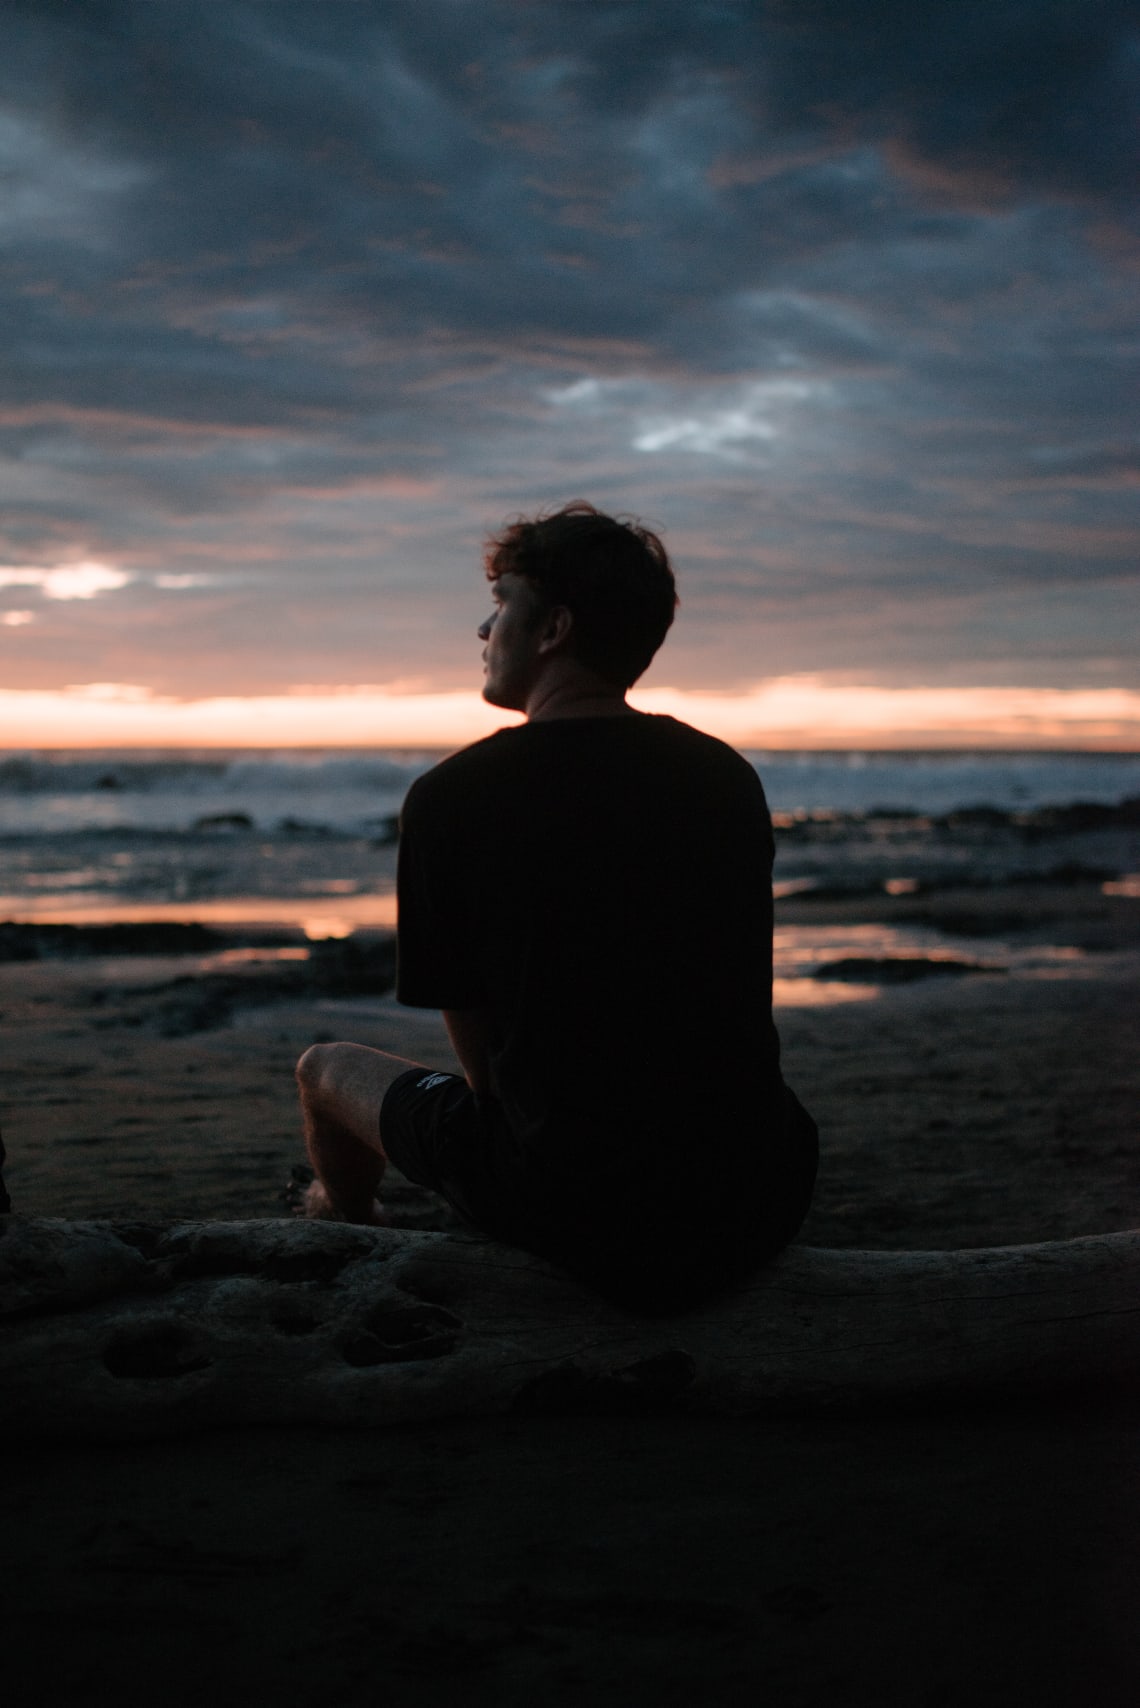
305 840
352 793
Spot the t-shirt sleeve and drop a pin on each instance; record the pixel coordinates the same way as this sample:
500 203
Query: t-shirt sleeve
435 960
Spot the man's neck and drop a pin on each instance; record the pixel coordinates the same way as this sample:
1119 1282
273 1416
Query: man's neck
590 699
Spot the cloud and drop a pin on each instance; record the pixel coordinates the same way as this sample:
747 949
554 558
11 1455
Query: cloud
729 430
982 99
68 580
298 300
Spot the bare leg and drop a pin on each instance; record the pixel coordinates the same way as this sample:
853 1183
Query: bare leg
341 1088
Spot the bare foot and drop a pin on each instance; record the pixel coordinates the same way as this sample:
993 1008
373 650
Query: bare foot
316 1206
306 1197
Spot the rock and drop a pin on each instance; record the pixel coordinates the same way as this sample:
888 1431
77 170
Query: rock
39 941
118 1331
898 969
224 821
363 964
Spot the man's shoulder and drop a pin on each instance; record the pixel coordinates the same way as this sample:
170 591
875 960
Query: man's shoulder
464 770
698 741
704 752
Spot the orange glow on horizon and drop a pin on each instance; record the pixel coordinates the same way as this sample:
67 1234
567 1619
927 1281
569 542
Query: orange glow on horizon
785 712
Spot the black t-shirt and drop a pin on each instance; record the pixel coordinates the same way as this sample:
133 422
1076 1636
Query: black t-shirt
602 887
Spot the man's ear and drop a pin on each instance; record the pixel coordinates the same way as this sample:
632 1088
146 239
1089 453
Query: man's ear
556 628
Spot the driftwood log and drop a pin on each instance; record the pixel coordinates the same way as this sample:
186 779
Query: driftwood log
120 1331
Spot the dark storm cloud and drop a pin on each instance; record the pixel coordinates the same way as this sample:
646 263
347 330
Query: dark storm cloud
303 295
988 96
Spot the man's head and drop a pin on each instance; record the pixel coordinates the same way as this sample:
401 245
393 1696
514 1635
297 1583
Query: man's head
596 590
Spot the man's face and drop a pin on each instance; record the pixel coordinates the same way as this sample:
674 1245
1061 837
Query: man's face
511 636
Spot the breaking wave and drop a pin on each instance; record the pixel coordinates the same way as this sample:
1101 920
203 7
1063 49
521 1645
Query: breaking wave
358 793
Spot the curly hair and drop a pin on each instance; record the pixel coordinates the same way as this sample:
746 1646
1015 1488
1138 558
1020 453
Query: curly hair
613 575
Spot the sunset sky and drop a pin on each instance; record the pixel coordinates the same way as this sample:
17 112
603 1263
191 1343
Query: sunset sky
299 299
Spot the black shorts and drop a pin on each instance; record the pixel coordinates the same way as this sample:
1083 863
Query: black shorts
440 1135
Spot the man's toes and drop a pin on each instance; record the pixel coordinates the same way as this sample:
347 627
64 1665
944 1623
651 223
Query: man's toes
301 1177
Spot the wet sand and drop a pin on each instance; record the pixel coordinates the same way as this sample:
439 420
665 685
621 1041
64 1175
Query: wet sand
972 1556
974 1111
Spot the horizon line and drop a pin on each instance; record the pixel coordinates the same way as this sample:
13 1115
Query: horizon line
783 714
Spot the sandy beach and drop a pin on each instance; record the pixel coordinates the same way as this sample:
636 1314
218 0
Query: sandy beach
972 1556
980 1110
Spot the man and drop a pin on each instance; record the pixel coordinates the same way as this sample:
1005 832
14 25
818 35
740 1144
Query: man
588 899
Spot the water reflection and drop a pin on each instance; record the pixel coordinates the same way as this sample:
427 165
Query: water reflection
349 913
801 953
818 993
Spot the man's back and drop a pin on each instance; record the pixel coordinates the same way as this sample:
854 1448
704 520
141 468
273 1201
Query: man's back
602 888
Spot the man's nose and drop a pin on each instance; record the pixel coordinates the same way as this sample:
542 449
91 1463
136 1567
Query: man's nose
484 629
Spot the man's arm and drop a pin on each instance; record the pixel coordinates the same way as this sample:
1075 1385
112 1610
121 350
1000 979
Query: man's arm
471 1033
